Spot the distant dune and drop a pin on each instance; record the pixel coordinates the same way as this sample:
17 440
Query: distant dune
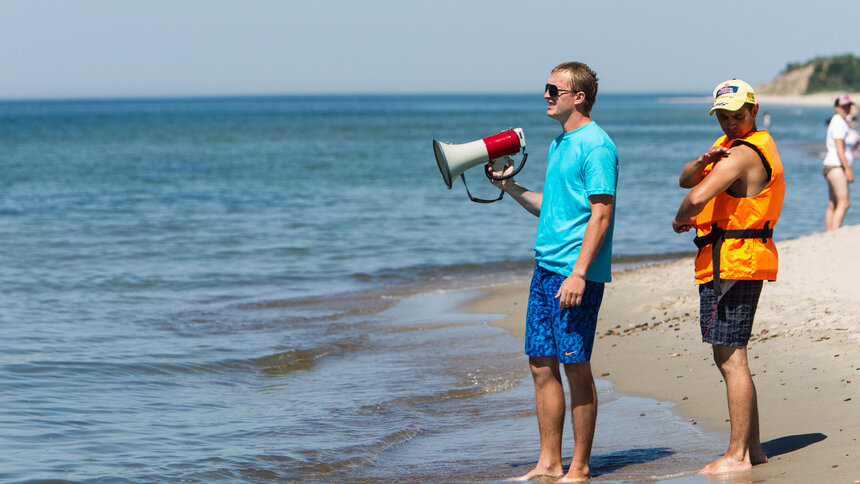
792 83
822 76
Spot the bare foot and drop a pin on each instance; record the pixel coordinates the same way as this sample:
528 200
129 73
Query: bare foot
726 464
576 475
758 456
538 472
574 478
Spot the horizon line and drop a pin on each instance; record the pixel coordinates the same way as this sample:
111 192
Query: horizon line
177 97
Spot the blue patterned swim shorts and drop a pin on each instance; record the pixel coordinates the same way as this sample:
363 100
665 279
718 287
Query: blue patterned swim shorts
565 334
730 322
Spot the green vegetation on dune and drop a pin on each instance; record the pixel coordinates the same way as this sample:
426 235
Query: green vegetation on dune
831 74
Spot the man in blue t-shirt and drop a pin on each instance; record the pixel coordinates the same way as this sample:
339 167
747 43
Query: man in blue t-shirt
573 250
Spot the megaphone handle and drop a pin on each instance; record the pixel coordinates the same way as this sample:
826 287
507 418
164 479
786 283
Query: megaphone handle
516 170
479 200
499 164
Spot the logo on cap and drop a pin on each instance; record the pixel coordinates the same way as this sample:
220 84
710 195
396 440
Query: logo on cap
727 90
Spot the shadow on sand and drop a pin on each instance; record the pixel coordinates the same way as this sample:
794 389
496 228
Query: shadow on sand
609 463
791 443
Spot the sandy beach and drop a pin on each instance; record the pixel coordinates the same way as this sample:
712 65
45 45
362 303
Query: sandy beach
820 99
804 354
817 100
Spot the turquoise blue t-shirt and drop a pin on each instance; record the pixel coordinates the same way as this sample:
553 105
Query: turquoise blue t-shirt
581 163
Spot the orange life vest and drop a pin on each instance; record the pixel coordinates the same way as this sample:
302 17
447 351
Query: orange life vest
740 230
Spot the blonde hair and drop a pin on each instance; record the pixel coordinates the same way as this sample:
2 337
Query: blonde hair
582 78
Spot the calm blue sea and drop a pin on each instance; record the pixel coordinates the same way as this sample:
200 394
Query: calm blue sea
267 289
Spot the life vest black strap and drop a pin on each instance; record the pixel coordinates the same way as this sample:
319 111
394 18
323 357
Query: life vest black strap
715 239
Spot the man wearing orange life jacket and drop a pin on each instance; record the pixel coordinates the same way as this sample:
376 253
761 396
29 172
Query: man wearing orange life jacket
735 197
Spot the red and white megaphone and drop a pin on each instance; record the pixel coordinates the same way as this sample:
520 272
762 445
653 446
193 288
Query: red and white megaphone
453 159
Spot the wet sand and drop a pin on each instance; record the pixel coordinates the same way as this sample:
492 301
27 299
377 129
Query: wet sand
804 354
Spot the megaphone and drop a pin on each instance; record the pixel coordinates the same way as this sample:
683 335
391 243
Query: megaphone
454 160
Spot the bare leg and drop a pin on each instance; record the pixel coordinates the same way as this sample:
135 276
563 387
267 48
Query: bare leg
744 444
583 402
839 198
549 400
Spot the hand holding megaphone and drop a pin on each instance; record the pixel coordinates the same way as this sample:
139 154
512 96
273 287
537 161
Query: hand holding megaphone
453 160
499 171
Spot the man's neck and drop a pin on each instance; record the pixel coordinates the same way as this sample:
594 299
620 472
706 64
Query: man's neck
576 121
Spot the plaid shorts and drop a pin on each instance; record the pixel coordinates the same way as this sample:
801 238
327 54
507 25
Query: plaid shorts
565 334
728 323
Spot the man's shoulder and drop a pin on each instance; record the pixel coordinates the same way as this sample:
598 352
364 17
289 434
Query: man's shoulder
594 138
586 145
746 154
743 162
599 132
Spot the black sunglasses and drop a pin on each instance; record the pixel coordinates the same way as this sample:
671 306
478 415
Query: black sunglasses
554 90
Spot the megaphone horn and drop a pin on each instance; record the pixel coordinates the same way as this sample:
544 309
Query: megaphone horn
454 160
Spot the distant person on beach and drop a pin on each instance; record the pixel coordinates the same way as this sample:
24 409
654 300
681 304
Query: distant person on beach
573 250
735 197
837 163
852 140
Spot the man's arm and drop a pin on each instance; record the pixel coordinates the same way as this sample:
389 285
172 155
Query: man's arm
726 172
528 199
692 173
571 290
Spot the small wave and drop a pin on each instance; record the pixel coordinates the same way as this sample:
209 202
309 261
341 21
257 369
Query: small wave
334 306
382 289
281 363
433 271
333 462
456 394
407 280
293 360
290 361
101 369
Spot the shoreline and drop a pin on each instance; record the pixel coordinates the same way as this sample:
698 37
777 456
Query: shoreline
804 353
814 100
819 99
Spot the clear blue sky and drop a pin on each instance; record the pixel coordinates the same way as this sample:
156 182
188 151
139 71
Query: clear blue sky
109 48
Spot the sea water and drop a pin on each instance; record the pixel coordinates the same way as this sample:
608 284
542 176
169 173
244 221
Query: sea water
269 289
